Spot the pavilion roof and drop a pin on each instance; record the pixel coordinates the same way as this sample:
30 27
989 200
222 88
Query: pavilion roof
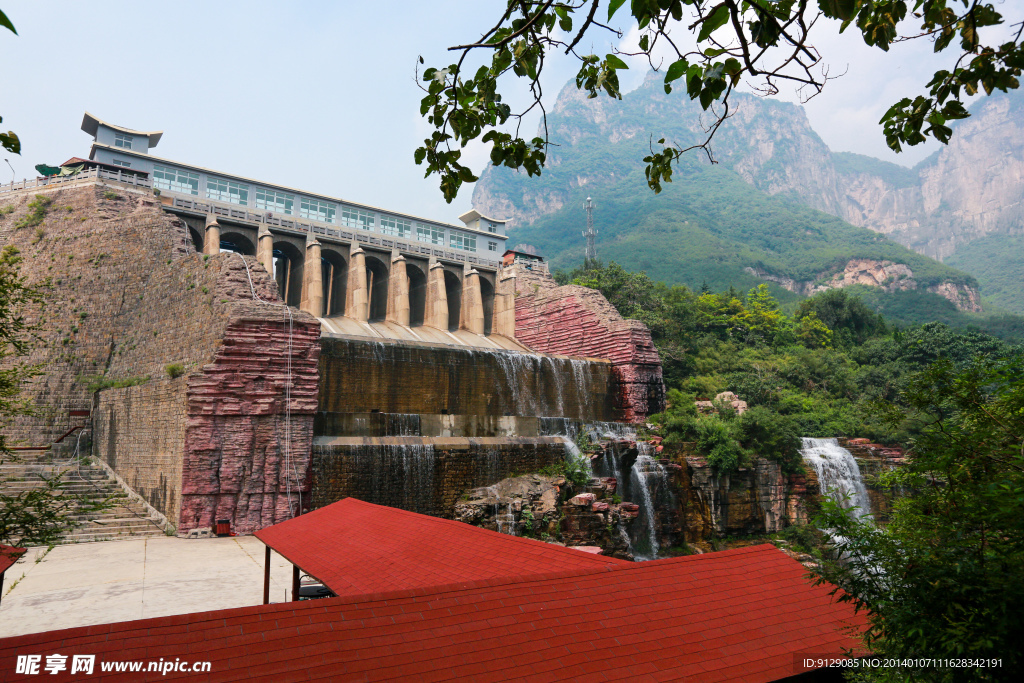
747 614
356 547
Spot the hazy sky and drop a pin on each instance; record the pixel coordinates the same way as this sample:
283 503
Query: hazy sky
318 95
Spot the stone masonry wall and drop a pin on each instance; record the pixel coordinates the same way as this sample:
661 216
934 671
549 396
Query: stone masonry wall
140 433
422 474
578 321
128 297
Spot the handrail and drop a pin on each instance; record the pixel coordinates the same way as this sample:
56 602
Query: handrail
127 177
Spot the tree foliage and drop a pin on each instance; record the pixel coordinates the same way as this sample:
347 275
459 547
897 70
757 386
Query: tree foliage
800 375
758 43
9 140
942 579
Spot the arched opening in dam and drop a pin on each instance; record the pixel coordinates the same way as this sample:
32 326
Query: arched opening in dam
417 294
237 243
487 298
377 287
197 239
288 272
335 280
453 290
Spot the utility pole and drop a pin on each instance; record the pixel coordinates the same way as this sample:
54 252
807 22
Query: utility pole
591 255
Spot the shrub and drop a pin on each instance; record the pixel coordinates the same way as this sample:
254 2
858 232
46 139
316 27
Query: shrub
110 194
175 370
771 436
36 212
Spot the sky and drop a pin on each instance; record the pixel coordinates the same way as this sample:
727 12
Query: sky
322 95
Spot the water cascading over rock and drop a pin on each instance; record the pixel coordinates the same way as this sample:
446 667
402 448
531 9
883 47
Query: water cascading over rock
648 483
838 474
645 485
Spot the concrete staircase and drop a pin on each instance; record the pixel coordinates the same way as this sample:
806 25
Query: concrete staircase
125 518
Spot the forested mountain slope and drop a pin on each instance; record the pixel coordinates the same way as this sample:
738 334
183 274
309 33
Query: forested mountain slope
748 219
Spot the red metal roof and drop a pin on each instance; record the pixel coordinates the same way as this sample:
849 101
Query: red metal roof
8 556
356 547
737 615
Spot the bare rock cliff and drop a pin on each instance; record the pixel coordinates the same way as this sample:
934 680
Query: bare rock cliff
969 189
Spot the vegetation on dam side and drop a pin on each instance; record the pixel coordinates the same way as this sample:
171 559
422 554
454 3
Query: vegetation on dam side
822 370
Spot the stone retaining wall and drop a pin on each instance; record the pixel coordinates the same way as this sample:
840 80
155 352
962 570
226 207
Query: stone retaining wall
579 321
128 301
426 475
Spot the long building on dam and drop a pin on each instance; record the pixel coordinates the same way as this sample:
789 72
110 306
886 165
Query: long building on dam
235 350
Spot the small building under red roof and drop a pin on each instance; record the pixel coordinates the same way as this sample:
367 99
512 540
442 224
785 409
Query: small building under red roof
355 548
748 614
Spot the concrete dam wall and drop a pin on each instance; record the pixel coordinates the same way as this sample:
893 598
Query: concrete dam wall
415 425
387 376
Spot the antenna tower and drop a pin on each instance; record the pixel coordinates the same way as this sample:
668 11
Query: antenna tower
591 254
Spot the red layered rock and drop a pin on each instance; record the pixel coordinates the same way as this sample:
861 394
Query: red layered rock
250 425
578 321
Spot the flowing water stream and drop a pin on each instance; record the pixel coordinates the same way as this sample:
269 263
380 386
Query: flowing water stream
647 482
838 474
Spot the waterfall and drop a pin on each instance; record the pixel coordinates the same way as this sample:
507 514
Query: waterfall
575 457
402 424
580 372
517 367
559 394
838 474
646 486
506 522
488 465
400 475
646 478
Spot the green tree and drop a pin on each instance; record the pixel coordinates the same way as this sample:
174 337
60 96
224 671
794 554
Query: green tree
943 578
763 43
9 140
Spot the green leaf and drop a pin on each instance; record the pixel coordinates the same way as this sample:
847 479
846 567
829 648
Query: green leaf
614 62
6 23
676 69
10 142
844 10
613 6
713 22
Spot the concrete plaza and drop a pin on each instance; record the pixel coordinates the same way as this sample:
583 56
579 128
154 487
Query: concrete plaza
97 583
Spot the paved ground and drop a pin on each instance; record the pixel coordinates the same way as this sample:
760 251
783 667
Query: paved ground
98 583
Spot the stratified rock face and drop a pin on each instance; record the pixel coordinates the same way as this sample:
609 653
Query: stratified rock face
886 275
578 321
969 189
750 501
250 425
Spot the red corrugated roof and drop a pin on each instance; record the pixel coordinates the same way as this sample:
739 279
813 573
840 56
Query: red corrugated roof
736 615
356 548
8 556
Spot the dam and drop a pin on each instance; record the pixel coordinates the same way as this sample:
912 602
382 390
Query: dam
243 352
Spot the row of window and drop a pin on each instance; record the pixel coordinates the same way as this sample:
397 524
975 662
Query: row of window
184 182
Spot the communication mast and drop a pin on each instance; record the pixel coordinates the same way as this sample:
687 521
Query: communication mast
591 254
